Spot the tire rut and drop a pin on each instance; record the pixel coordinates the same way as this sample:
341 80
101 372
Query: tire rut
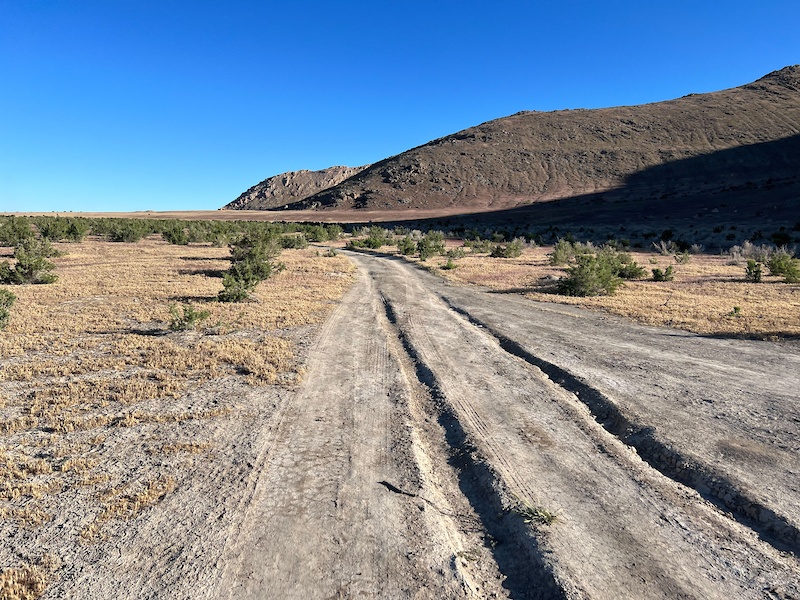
526 574
713 486
624 529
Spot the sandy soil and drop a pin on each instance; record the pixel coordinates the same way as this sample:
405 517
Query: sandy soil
438 424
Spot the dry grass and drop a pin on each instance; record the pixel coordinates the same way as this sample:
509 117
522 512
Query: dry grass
90 358
700 299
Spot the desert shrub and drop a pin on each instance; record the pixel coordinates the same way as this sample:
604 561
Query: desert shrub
294 241
665 247
455 253
375 238
478 245
32 265
129 231
431 244
697 248
186 318
590 276
253 261
622 264
511 250
782 262
52 228
665 275
752 271
406 246
6 302
683 258
176 235
334 231
77 230
563 252
331 252
14 230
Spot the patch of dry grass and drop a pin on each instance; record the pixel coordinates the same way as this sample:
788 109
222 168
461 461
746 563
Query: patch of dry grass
91 356
701 298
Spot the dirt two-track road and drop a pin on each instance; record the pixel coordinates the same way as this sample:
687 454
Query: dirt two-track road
431 411
435 418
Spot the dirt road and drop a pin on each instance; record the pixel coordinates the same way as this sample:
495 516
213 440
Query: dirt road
431 411
439 426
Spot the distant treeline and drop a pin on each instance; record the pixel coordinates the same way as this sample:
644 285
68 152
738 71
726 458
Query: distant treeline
14 230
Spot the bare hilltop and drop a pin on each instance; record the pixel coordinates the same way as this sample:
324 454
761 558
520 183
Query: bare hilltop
286 188
731 152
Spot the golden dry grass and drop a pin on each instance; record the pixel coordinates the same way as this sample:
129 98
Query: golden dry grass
702 298
92 354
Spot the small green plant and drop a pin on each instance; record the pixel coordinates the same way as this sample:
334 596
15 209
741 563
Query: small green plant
186 318
449 265
534 515
665 275
736 312
331 252
753 271
6 302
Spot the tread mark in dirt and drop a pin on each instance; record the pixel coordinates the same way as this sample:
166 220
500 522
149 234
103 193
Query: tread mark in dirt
715 487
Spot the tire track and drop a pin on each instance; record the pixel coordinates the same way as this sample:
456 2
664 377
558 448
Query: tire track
713 485
623 530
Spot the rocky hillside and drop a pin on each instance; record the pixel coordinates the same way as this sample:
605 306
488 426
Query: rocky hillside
283 189
647 151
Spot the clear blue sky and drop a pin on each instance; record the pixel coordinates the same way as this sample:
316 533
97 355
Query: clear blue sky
177 105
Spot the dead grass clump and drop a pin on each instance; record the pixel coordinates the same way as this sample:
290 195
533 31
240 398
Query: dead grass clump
126 503
22 583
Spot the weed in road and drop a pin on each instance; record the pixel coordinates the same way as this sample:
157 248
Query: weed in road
532 514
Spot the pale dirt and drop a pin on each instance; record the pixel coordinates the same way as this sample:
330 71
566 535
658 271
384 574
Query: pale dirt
430 410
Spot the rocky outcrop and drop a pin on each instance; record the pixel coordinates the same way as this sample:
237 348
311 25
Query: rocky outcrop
286 188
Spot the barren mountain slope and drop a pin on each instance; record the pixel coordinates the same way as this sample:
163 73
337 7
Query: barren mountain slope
531 156
280 190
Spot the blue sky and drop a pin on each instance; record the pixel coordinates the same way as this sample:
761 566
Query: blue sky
164 105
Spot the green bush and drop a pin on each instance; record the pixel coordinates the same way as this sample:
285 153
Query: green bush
782 262
478 245
752 271
406 246
511 250
563 253
186 318
590 276
253 261
14 230
294 241
665 275
129 231
32 265
176 235
431 244
6 302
